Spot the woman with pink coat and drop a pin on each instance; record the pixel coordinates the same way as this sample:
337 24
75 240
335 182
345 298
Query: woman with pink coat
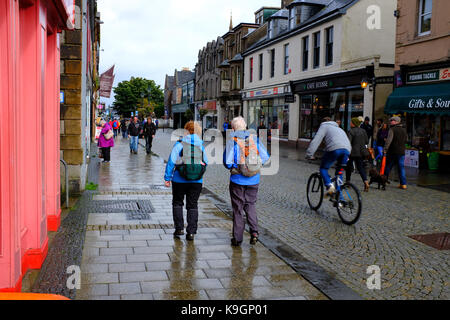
104 143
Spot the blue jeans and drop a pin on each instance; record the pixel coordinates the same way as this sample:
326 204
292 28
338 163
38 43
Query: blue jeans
134 142
399 160
380 151
341 156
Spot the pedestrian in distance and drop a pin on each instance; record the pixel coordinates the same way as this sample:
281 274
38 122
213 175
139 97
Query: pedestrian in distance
382 136
124 128
116 127
106 141
367 127
134 129
184 172
395 149
377 128
359 142
244 157
149 134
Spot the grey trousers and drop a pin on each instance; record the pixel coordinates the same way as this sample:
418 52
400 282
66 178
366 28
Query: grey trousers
243 199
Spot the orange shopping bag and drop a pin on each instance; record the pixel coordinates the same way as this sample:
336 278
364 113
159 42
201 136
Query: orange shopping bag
383 166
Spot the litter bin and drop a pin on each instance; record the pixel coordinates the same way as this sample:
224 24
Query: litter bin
433 161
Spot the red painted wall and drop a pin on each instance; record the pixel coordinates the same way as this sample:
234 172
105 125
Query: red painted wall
29 135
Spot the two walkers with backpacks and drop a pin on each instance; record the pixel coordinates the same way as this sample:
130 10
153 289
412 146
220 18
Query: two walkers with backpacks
243 157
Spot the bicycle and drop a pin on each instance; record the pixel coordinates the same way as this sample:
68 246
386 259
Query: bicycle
347 199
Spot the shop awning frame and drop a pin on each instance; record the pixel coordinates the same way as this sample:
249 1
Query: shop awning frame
421 99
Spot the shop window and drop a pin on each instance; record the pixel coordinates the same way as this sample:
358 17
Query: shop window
425 13
445 144
426 132
355 105
338 105
305 117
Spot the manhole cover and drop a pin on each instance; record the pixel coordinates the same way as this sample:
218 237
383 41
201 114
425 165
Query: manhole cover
439 241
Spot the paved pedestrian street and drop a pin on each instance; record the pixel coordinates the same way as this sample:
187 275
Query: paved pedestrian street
409 269
130 252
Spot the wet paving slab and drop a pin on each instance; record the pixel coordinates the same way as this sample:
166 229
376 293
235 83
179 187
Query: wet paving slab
139 259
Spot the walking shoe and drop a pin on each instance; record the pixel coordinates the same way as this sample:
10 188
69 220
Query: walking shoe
403 187
235 243
331 190
190 237
178 233
254 239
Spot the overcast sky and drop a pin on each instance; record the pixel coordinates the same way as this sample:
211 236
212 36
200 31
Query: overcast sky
153 38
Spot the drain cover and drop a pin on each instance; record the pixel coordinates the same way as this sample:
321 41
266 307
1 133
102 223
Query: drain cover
439 241
131 207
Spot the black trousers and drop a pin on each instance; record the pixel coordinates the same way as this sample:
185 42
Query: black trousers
192 193
359 162
148 143
106 152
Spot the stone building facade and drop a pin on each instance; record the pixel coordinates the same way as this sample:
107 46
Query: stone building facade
79 85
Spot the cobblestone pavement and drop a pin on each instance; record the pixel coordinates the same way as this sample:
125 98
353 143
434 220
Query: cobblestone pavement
130 252
409 269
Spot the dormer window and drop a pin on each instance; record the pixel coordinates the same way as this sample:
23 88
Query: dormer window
294 17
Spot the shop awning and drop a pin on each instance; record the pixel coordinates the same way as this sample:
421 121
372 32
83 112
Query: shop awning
425 99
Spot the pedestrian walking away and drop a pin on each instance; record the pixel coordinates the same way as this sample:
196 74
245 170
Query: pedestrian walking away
337 149
106 141
395 149
134 129
184 172
382 136
244 157
124 128
116 127
368 127
359 142
149 134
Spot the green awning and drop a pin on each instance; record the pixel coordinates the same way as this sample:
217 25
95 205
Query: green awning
425 99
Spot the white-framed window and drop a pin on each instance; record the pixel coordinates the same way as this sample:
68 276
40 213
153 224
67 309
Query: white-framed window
425 13
329 46
316 55
261 66
305 57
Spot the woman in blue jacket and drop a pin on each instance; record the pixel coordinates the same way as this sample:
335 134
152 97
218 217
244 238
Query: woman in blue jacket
243 189
181 186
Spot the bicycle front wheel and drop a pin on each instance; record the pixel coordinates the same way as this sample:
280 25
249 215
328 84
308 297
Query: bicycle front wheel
349 204
315 191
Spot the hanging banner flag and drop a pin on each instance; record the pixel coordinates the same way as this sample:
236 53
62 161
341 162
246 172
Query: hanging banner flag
106 83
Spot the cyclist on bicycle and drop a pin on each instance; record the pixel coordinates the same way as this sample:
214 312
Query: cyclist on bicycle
337 149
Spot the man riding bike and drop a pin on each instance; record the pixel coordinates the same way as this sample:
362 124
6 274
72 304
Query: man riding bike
337 149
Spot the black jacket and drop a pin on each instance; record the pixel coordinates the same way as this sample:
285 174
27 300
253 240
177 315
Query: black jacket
396 141
134 130
359 139
149 129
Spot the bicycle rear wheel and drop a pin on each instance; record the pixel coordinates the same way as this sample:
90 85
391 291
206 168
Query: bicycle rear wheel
315 191
349 204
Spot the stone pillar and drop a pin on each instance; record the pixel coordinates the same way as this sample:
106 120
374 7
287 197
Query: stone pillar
71 110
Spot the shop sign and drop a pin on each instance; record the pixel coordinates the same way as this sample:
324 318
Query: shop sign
317 85
267 92
226 85
444 74
412 158
210 105
430 104
427 76
289 98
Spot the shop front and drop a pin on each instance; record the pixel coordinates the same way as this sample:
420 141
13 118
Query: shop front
268 107
340 97
426 110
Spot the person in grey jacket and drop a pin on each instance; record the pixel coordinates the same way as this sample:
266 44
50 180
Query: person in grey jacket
337 148
359 140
